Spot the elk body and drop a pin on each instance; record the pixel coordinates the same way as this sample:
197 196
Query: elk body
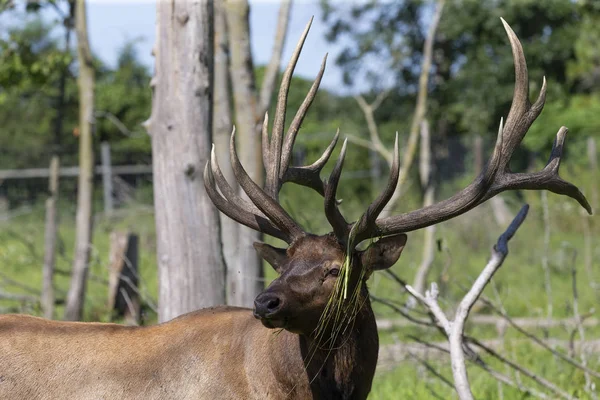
322 342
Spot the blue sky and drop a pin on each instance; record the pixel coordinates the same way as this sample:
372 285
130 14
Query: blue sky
111 23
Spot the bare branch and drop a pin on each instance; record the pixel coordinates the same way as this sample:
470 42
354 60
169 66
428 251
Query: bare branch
425 174
361 142
455 329
272 70
483 365
368 111
24 298
421 107
115 121
402 312
430 368
538 379
430 300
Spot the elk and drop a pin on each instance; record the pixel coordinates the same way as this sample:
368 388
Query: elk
312 333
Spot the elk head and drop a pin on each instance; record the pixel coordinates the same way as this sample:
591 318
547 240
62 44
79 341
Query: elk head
312 267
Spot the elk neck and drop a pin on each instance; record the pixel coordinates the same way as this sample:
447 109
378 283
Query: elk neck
342 370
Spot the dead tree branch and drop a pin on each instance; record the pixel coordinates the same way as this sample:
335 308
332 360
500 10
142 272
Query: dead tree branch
537 340
455 329
272 70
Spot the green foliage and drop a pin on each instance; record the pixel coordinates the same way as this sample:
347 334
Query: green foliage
124 93
467 240
32 60
579 113
31 63
472 78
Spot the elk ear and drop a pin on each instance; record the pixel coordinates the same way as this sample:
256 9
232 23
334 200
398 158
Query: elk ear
384 253
273 255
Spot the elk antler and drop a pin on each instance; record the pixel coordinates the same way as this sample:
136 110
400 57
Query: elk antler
495 178
265 214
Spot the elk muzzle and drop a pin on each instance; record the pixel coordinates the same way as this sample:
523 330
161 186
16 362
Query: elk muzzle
267 307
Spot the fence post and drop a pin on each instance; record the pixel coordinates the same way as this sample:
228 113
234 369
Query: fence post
47 298
123 278
107 177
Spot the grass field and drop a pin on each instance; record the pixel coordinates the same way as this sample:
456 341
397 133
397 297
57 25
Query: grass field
464 246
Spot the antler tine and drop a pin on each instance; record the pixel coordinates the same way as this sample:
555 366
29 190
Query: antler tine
228 192
272 178
547 178
309 175
233 211
270 208
366 224
265 141
522 113
496 177
290 137
335 218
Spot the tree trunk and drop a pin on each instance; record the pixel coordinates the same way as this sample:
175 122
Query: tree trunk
51 228
427 182
83 234
47 299
191 271
221 134
246 273
107 186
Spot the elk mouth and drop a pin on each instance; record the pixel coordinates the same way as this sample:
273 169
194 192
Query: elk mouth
271 320
274 323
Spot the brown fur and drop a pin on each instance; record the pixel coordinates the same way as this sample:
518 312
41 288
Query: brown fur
215 353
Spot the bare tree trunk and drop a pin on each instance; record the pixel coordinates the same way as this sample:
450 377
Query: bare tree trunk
425 173
248 269
51 228
47 298
232 33
420 110
221 134
421 107
272 71
191 271
83 234
246 275
107 186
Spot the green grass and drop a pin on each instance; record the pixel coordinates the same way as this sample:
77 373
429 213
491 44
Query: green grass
465 244
412 380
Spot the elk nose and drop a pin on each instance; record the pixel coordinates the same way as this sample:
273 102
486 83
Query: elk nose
266 304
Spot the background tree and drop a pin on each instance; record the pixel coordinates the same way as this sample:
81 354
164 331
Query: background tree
51 228
191 271
245 277
85 186
470 84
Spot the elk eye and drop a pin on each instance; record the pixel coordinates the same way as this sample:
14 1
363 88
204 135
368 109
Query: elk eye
334 272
